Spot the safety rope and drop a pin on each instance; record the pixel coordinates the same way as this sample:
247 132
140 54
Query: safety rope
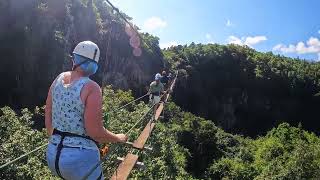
23 156
118 109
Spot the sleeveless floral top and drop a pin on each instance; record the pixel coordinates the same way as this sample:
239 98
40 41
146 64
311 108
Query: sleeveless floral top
68 113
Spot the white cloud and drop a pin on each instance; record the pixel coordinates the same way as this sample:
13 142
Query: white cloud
310 47
249 40
208 36
318 57
168 44
229 23
234 40
154 23
281 47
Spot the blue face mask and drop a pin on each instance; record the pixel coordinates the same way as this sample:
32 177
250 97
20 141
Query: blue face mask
90 67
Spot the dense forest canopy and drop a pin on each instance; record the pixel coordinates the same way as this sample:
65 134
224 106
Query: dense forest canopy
184 147
245 91
269 101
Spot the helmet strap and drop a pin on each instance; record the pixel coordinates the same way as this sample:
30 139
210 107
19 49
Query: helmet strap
77 65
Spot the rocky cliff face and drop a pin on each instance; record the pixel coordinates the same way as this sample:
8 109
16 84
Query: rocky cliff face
38 37
244 91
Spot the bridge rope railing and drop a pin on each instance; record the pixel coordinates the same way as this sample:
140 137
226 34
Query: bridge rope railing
125 105
23 156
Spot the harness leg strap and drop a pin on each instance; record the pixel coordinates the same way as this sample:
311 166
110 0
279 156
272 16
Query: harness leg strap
100 176
59 148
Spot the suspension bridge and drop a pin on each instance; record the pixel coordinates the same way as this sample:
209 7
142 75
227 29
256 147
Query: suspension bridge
130 161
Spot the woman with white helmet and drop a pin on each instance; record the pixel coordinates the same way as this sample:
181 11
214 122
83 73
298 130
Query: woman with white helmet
73 118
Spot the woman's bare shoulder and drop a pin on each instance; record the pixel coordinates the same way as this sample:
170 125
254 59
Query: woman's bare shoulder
92 86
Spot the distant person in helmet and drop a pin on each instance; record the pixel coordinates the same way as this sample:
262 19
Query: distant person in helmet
73 118
164 78
155 90
170 77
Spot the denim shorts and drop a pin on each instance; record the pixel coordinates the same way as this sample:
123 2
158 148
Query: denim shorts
74 163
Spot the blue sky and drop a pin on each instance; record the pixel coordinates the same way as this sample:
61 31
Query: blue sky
288 27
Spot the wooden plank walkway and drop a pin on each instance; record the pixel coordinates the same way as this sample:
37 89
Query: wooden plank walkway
125 167
170 89
158 112
142 139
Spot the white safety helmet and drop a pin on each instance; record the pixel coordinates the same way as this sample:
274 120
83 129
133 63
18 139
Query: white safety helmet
157 77
88 49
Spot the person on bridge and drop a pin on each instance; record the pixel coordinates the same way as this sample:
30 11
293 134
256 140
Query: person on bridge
170 77
164 79
155 90
73 118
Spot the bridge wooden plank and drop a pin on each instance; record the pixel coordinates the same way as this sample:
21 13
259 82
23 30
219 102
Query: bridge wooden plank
125 167
142 139
158 112
170 89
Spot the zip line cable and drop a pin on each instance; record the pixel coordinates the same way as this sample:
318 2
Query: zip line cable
125 19
130 24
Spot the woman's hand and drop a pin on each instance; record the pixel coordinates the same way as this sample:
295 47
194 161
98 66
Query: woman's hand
122 138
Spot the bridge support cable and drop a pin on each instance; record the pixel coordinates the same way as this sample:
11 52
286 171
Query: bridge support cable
135 29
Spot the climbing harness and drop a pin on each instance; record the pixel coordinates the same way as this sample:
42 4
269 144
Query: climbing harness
60 146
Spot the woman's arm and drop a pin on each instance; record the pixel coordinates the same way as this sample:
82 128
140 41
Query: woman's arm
48 110
93 117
